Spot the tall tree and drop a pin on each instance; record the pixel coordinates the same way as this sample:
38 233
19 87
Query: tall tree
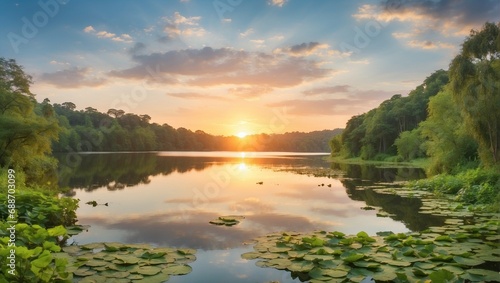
25 137
475 85
448 144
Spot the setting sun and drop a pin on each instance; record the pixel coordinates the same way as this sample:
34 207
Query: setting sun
241 135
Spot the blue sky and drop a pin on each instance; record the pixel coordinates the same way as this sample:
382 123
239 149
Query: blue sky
230 66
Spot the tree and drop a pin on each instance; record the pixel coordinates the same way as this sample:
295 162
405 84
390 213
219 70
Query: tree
69 105
475 86
89 110
448 144
116 112
25 137
409 145
335 145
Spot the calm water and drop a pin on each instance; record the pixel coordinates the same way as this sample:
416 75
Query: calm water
168 198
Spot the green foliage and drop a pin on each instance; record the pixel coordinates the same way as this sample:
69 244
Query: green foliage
90 130
448 143
376 131
37 257
336 145
409 145
25 136
475 86
474 186
37 208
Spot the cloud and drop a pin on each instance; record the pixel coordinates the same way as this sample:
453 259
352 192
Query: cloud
226 20
278 37
137 48
447 17
109 35
177 25
72 78
190 227
278 3
89 29
249 92
303 49
327 90
355 101
223 66
55 62
427 44
247 32
193 95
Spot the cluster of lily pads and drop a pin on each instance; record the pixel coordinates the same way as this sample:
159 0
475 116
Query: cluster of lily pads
415 257
465 249
229 220
117 262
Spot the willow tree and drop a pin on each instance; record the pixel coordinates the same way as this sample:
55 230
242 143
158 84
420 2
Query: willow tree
475 85
25 136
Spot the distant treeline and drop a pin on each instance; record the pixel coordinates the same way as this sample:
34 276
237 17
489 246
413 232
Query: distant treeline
91 130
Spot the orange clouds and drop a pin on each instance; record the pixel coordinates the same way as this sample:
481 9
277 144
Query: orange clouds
224 66
431 19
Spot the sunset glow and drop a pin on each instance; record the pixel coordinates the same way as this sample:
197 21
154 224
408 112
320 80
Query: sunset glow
242 134
280 66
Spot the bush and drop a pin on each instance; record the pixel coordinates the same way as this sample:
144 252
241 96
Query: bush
474 186
37 208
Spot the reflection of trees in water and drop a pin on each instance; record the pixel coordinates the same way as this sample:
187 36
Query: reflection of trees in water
403 209
117 171
372 173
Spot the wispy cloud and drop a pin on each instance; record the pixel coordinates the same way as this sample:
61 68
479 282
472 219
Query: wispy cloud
109 35
278 3
427 44
177 25
352 102
249 92
194 95
72 78
327 90
303 49
247 32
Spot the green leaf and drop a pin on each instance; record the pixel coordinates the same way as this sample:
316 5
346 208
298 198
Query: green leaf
353 257
146 270
43 260
441 276
467 261
180 269
57 231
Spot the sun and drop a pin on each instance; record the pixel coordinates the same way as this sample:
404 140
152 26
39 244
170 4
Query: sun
241 134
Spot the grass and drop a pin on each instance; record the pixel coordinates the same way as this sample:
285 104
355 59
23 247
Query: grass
387 162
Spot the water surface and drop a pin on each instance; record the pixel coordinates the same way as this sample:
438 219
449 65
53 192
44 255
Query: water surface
168 199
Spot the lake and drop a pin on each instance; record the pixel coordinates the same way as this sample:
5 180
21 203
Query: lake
169 198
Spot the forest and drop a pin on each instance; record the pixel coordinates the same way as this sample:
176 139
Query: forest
452 120
90 130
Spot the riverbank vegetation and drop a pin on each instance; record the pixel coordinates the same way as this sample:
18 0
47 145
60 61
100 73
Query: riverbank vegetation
452 120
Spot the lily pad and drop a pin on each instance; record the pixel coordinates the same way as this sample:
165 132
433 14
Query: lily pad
146 270
467 261
180 269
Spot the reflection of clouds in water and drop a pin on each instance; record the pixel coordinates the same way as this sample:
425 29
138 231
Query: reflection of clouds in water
342 212
193 230
252 205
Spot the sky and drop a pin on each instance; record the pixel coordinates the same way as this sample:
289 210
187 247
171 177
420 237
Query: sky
236 66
